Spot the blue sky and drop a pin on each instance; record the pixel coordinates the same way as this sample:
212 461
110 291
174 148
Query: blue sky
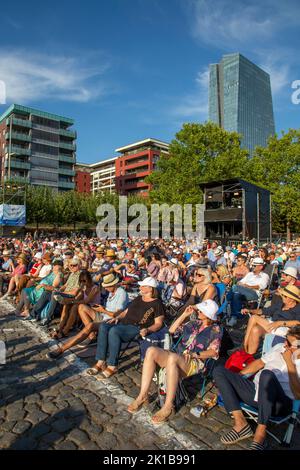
126 70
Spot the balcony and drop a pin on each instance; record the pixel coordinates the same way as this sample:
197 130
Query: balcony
17 179
17 164
66 158
18 136
18 150
66 184
19 122
66 171
64 145
66 133
44 142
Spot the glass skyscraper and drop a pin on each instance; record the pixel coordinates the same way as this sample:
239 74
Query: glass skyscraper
240 99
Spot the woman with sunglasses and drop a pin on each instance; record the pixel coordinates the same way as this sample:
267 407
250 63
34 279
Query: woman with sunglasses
275 385
274 319
89 295
203 289
241 268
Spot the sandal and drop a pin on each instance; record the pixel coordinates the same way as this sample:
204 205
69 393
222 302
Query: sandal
134 407
107 373
234 436
95 370
161 417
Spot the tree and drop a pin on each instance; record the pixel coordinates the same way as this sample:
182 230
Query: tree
277 168
199 153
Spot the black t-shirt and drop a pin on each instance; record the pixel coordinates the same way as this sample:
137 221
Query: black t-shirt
277 314
142 313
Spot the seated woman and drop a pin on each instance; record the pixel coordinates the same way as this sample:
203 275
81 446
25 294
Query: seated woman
18 271
203 288
116 302
88 295
275 319
201 340
6 270
144 316
272 391
31 295
219 273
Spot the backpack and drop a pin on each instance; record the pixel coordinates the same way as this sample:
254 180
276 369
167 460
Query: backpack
239 360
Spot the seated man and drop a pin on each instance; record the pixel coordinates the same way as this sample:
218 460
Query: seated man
116 302
129 273
272 391
248 288
143 316
274 319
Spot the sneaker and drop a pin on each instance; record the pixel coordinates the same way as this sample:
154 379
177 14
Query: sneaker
232 322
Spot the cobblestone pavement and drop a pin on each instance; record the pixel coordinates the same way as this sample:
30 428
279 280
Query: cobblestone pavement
54 405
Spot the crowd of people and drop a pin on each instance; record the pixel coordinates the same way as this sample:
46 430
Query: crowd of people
115 291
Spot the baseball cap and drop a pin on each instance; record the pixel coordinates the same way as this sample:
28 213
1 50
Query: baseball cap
149 282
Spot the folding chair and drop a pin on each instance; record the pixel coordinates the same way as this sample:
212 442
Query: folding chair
292 418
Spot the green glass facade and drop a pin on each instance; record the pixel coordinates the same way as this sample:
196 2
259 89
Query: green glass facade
240 100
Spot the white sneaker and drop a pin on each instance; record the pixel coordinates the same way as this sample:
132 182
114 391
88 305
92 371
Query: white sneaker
232 322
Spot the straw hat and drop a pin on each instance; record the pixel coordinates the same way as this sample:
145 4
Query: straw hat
292 292
110 253
110 280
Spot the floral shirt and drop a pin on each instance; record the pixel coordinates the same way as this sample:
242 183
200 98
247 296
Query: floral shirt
197 338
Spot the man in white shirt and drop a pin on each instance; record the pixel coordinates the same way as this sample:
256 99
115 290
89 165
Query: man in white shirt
276 384
248 288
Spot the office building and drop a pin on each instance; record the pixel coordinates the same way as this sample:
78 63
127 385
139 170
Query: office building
240 99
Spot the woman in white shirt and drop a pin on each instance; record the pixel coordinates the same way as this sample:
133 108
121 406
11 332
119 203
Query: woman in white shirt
276 384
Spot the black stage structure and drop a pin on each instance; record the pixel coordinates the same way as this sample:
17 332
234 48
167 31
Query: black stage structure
237 210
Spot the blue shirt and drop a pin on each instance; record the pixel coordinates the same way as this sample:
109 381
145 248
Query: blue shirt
117 301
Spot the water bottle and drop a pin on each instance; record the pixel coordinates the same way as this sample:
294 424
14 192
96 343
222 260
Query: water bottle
167 342
2 353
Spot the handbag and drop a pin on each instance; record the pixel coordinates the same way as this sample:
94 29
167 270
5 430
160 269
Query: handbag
239 360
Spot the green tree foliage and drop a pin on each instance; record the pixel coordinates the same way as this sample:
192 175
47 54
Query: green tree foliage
199 153
277 168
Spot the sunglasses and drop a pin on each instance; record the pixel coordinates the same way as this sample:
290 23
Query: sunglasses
199 275
73 265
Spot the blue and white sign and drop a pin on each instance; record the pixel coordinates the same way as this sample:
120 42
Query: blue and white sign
12 214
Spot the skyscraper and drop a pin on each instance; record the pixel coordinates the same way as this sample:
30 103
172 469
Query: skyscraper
240 99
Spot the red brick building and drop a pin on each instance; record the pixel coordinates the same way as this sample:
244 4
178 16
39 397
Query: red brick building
137 161
82 178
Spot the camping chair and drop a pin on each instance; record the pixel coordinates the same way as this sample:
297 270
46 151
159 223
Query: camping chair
292 418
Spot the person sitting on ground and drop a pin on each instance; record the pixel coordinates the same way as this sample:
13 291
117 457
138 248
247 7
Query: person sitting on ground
248 288
69 289
144 316
19 270
276 384
201 340
7 268
91 317
274 319
31 295
88 295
